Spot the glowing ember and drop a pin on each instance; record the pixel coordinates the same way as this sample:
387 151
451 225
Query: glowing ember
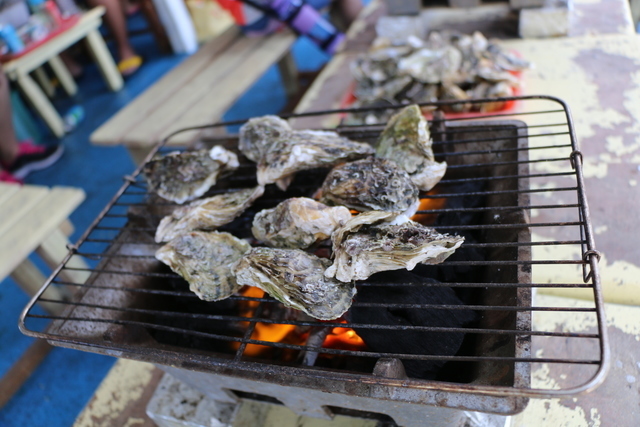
426 205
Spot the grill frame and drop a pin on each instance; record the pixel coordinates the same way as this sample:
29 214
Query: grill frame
287 375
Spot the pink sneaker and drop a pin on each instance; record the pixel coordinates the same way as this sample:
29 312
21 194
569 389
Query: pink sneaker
7 177
31 158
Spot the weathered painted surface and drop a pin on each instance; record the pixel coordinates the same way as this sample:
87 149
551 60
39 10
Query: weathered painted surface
615 402
599 78
117 402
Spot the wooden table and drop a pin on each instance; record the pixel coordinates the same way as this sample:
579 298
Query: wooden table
197 92
35 218
86 28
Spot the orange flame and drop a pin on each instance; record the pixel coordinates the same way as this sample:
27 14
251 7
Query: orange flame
429 204
263 331
344 339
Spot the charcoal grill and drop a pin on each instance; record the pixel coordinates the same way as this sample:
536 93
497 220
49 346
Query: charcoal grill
533 221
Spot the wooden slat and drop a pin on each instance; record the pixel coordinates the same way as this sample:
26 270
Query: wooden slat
7 190
182 103
112 132
18 205
226 91
35 225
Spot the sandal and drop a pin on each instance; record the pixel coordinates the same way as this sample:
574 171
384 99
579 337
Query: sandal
129 66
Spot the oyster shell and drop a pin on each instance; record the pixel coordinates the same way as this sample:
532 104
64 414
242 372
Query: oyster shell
406 141
296 279
204 260
207 214
371 184
379 241
303 150
257 134
184 176
298 223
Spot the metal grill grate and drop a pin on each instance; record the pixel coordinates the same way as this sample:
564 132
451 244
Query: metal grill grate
532 223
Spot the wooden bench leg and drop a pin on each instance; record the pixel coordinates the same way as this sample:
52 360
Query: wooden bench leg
289 74
64 76
104 60
41 104
31 279
53 250
43 80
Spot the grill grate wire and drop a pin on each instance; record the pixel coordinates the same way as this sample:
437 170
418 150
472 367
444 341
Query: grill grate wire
555 210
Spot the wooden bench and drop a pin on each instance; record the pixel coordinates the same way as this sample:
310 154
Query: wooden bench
198 91
35 218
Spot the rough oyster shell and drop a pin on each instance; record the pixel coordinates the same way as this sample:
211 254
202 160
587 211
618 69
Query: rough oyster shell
303 150
204 260
296 279
371 184
207 214
406 141
379 241
257 134
432 66
184 176
298 223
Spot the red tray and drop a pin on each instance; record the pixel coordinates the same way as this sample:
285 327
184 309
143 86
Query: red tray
64 25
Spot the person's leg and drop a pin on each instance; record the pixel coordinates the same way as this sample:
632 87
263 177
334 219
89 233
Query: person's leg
115 20
8 141
350 9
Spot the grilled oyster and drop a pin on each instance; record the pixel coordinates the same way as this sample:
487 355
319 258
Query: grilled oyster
207 214
184 176
298 223
204 259
371 184
303 150
258 133
296 279
380 241
406 141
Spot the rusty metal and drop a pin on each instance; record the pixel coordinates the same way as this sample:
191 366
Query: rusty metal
107 317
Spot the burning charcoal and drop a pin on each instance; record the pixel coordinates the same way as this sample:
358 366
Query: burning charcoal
184 176
371 184
406 141
380 241
304 150
204 260
399 340
207 214
296 279
298 223
259 133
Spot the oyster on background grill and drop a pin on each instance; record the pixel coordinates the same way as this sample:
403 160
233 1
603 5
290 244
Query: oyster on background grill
379 241
257 134
183 176
406 141
304 150
207 214
371 184
296 279
204 260
298 223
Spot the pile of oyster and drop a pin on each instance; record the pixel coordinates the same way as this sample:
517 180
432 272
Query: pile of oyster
445 66
362 212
